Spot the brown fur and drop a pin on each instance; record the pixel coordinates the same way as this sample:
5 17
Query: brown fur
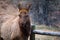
16 28
24 25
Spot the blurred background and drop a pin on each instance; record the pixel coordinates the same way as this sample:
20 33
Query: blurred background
45 14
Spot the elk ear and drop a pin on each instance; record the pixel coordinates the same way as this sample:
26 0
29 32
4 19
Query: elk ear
29 5
19 6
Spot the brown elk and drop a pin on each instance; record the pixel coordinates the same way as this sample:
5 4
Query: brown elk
17 28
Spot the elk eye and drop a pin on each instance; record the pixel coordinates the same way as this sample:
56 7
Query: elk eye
20 16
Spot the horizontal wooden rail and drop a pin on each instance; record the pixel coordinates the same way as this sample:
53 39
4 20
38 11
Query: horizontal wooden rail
46 33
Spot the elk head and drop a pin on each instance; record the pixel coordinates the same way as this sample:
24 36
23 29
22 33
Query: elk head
24 9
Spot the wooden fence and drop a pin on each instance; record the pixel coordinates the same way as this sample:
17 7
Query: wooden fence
40 32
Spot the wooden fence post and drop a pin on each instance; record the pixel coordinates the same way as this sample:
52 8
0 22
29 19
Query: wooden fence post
32 36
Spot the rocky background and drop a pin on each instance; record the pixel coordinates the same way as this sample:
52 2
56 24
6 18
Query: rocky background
47 12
